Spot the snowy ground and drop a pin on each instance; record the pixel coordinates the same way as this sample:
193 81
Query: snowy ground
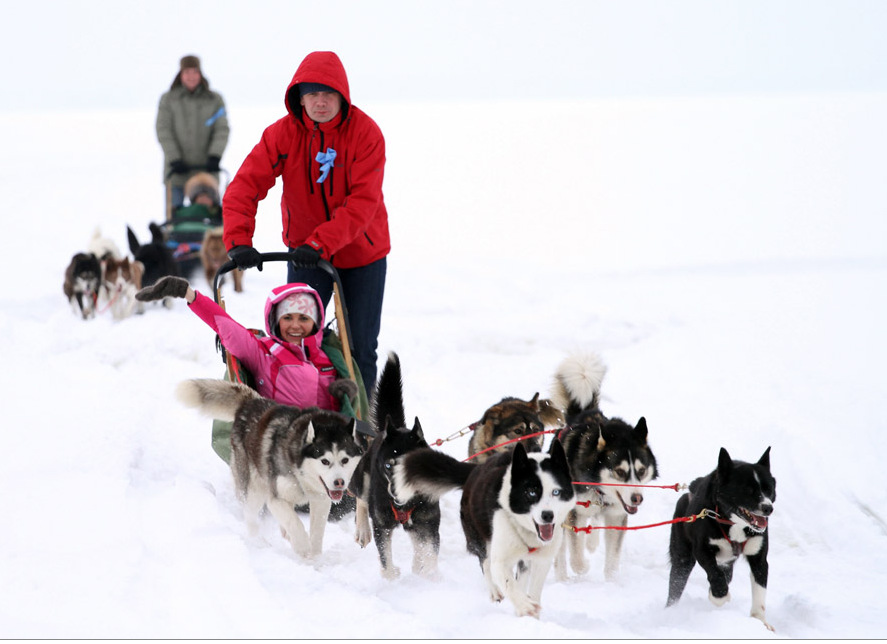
726 257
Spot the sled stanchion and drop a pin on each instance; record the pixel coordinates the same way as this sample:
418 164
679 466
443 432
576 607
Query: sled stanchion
168 200
343 330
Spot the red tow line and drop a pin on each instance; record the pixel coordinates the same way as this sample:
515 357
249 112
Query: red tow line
706 513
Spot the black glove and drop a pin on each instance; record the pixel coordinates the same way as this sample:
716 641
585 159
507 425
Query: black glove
245 257
212 163
178 167
305 255
169 286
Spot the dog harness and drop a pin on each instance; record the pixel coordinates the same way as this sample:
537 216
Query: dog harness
402 516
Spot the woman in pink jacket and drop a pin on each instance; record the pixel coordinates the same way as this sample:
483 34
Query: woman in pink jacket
288 365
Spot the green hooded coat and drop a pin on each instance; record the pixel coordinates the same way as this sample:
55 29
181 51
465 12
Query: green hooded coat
191 126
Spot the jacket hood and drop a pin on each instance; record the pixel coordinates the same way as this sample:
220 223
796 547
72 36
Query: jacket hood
322 67
280 292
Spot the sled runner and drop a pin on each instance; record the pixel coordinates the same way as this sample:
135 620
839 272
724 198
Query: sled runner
336 345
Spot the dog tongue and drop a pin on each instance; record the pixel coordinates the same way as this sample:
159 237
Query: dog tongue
545 531
336 495
758 521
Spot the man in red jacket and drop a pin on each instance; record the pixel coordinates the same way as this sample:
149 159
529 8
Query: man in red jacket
331 156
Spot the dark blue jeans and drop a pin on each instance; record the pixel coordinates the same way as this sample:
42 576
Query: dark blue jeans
363 289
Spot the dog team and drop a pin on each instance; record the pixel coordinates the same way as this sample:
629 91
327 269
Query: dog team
101 279
524 510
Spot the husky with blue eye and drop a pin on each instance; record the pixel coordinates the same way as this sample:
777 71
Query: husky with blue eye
512 510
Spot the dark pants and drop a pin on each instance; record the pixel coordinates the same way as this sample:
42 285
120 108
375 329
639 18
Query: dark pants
362 289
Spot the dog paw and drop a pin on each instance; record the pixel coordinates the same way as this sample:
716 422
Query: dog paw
526 607
718 601
391 573
426 570
579 565
363 538
760 615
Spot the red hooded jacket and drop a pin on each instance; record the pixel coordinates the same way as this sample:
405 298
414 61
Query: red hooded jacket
345 215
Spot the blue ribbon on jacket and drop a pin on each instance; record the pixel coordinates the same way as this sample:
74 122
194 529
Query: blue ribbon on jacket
325 159
215 117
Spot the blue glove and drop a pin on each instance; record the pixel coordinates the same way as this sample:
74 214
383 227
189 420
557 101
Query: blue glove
245 257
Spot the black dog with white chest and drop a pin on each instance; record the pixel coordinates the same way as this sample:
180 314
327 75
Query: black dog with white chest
740 495
373 485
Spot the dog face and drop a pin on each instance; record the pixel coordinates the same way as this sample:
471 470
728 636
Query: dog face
745 491
538 490
622 456
396 442
512 419
82 280
330 454
120 273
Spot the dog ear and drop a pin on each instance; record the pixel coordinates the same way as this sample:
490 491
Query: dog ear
534 401
156 233
558 455
764 461
417 429
309 433
725 465
134 244
519 456
641 429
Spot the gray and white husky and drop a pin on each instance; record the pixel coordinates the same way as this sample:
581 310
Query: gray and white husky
282 456
600 450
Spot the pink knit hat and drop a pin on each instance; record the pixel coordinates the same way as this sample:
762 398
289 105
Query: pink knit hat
303 303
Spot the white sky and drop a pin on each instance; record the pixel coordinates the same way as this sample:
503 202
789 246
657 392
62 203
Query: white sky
97 54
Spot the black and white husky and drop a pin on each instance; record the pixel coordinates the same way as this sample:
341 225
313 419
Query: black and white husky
282 456
741 496
373 486
601 450
512 509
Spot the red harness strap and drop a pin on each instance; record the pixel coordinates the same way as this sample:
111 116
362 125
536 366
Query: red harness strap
401 516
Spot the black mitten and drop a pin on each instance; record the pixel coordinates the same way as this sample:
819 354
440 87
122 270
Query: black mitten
212 163
245 257
178 167
169 286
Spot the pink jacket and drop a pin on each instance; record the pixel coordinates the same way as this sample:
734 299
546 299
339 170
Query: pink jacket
288 373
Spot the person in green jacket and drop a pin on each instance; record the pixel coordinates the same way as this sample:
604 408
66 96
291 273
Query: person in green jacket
192 128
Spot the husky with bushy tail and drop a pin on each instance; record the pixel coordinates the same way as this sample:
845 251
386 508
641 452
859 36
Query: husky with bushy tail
282 456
